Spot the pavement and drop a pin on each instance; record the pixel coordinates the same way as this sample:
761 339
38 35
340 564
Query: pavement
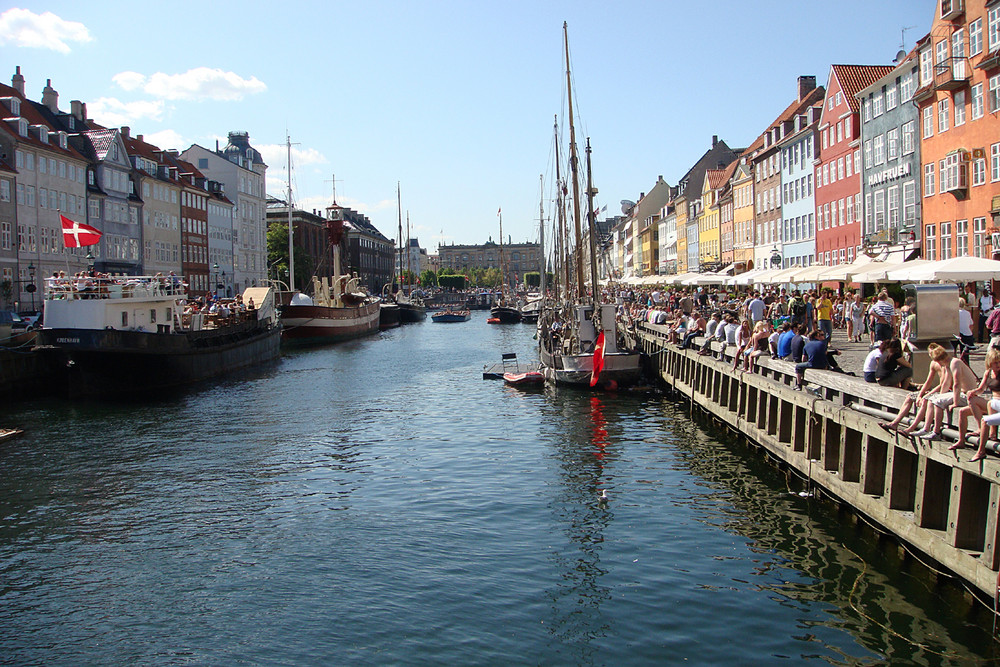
852 355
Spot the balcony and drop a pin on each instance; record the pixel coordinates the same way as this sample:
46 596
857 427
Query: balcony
951 9
952 74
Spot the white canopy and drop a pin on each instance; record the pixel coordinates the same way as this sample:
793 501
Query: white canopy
809 274
881 274
745 278
781 276
959 269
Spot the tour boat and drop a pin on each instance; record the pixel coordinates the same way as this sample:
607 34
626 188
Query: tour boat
132 336
388 315
451 316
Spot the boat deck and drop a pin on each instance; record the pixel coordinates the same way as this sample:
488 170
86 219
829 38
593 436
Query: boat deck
496 371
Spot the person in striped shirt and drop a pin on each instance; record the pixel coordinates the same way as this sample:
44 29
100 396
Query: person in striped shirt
883 312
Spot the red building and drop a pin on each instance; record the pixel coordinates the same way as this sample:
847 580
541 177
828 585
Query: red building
838 167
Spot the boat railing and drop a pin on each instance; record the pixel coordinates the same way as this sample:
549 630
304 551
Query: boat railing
114 287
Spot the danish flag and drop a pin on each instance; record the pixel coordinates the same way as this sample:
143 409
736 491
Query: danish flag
77 234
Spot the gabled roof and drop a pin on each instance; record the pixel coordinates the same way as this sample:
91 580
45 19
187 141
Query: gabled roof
855 78
791 111
30 113
101 141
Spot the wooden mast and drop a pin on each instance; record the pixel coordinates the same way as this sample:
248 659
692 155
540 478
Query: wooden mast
291 228
592 230
399 252
562 270
574 169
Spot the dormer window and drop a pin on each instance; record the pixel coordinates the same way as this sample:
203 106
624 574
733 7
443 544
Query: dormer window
43 134
22 127
62 139
15 105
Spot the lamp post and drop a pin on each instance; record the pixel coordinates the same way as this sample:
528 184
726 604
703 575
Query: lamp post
215 278
223 285
90 262
31 285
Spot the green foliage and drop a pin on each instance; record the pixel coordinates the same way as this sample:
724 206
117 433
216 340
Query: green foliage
428 278
277 257
455 281
534 278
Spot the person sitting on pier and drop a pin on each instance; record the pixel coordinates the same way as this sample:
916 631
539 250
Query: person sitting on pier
990 381
798 343
960 379
758 346
893 368
695 327
815 352
870 367
938 369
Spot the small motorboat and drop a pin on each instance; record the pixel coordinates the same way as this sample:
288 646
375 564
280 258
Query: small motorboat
451 316
527 379
493 320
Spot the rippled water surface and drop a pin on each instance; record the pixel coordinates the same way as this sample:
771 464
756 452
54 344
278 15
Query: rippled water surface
378 502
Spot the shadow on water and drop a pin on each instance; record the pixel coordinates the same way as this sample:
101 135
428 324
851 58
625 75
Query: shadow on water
867 584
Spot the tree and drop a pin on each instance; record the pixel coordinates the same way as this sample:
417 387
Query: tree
428 278
277 257
534 278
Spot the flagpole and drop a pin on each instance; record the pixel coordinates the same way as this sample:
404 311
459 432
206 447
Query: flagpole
65 254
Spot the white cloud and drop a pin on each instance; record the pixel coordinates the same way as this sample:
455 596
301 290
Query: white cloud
22 27
276 156
112 112
200 83
167 140
129 80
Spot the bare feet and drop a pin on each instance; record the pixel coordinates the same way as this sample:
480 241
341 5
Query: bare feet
957 445
978 457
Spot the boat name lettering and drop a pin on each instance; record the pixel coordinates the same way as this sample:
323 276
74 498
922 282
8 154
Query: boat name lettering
67 340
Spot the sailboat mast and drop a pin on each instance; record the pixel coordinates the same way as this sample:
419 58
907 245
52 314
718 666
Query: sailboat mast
592 231
291 228
502 276
399 251
574 169
541 232
409 271
560 246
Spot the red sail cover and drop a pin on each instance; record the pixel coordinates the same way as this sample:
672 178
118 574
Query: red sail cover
598 359
77 234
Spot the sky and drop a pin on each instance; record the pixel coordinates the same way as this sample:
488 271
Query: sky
455 102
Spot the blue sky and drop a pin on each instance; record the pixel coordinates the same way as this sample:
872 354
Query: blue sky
454 100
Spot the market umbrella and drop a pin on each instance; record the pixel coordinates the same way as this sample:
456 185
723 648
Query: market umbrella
959 269
881 274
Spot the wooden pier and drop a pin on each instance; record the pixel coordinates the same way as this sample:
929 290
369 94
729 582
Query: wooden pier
929 498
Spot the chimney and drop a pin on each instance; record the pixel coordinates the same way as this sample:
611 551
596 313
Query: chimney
807 84
78 110
50 97
17 81
715 140
125 132
138 137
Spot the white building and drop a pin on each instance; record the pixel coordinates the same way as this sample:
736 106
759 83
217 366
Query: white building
241 170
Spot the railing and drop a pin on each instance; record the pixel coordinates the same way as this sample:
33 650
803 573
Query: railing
113 288
952 73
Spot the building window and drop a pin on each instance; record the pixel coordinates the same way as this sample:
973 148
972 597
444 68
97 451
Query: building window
906 88
909 203
977 101
892 139
943 117
976 37
979 171
930 243
961 238
929 179
890 98
993 27
878 149
877 105
994 94
946 240
979 237
959 108
868 154
879 210
928 118
995 162
892 207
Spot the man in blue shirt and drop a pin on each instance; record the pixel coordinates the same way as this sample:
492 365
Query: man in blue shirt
815 354
785 340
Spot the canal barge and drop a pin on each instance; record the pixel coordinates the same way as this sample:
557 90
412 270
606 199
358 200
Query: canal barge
136 335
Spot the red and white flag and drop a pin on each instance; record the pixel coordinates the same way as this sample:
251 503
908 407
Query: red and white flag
595 372
77 234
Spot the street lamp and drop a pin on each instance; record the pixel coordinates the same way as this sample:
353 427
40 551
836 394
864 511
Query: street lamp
31 285
90 262
215 278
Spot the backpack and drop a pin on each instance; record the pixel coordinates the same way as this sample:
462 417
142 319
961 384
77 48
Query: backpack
798 308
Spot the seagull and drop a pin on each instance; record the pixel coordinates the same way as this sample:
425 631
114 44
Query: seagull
604 496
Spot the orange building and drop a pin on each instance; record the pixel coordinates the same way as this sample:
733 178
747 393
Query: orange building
958 99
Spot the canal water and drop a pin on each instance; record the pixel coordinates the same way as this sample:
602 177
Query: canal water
378 502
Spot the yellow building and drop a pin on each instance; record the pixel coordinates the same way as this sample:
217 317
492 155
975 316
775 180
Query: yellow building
743 217
681 207
709 234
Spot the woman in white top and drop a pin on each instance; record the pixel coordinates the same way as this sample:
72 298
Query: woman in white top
965 324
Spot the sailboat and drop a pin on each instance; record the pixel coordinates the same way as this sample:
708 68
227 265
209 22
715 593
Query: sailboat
339 308
411 307
505 310
578 338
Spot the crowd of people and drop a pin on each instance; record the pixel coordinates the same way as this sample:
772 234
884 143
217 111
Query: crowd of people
798 326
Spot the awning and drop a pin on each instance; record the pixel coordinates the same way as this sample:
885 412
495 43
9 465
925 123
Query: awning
958 269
